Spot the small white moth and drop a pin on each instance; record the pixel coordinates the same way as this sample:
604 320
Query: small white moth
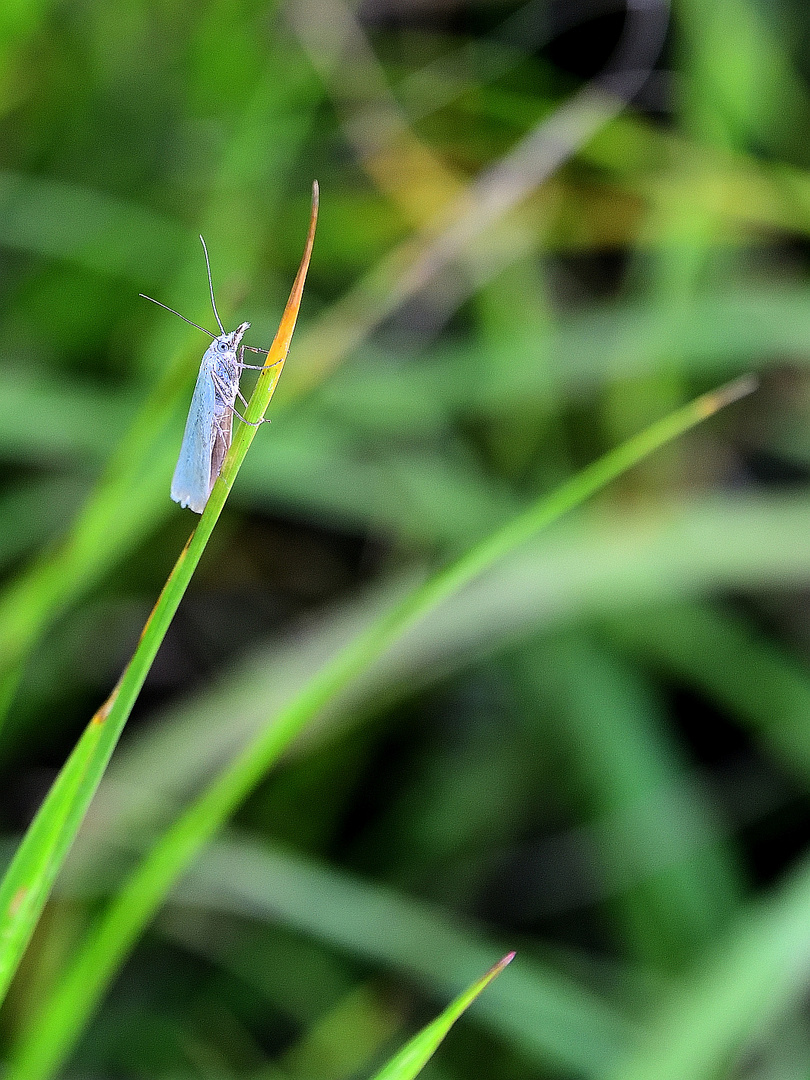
210 416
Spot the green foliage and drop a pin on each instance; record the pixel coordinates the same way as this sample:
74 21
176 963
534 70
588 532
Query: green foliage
29 879
44 848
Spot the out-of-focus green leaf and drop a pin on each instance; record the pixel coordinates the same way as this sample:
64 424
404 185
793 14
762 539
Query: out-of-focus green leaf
614 734
550 1017
32 512
718 653
87 227
754 973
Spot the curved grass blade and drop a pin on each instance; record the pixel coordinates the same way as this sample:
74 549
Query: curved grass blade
128 500
545 1014
65 1014
595 568
29 879
415 1054
754 975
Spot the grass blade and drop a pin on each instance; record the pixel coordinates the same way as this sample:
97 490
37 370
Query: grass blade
128 501
635 775
29 879
754 975
717 652
599 565
417 1051
63 1017
547 1015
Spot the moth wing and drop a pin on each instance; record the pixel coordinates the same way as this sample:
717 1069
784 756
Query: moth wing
191 483
223 430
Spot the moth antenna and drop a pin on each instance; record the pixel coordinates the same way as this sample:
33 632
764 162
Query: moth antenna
211 286
177 313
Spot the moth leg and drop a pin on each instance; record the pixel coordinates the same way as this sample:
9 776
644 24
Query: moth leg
220 385
245 403
240 365
223 390
255 367
223 432
252 423
260 367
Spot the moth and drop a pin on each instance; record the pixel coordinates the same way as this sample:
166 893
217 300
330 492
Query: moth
209 425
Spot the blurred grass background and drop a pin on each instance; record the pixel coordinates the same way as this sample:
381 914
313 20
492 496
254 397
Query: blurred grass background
542 226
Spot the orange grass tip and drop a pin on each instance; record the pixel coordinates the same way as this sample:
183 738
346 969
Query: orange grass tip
725 395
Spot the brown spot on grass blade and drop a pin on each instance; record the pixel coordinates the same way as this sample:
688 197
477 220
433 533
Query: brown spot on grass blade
726 395
149 619
100 715
281 342
17 900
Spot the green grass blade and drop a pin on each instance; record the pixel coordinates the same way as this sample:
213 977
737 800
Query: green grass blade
421 1048
735 665
551 1018
637 778
600 565
29 879
755 973
130 499
53 1034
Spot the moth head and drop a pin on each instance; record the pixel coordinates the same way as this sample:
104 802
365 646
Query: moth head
229 342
